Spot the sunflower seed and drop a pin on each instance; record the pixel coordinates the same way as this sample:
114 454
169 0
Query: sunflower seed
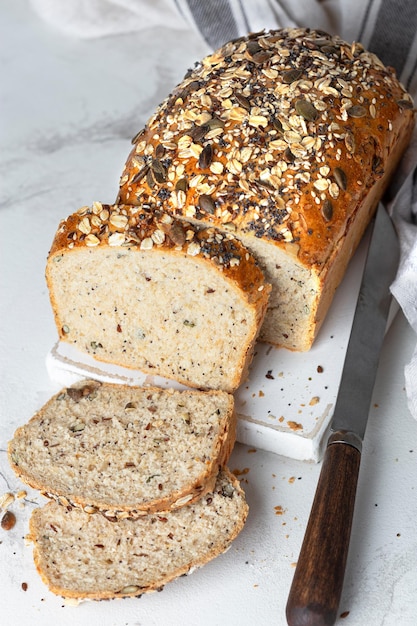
215 122
327 210
261 57
340 178
150 178
405 104
206 203
141 174
350 142
329 50
159 171
291 76
206 157
176 234
306 110
253 47
288 156
138 136
277 125
243 101
356 111
159 151
199 132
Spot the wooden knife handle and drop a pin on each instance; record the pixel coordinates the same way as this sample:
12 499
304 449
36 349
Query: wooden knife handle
318 580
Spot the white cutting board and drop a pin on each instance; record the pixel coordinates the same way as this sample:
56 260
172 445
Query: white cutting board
287 402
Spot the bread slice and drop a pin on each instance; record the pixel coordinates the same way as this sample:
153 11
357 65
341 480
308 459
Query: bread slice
124 450
87 556
142 290
289 138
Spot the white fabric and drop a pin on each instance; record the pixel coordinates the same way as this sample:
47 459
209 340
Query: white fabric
351 19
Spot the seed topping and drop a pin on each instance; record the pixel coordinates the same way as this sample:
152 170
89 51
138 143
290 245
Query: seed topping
264 136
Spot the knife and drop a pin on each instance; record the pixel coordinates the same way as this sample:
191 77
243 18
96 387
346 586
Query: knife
318 579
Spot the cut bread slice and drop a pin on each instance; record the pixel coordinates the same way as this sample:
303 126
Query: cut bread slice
87 556
125 450
144 291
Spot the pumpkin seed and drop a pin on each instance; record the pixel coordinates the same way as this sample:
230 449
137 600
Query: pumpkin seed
290 76
306 110
159 171
356 111
181 185
206 157
341 178
206 203
150 179
327 210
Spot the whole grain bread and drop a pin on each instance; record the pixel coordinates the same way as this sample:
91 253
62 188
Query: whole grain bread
124 450
142 290
87 556
287 139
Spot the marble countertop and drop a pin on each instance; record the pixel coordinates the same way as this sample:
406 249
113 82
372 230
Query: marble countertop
68 111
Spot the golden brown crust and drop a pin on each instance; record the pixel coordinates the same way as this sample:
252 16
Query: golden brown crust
279 135
134 227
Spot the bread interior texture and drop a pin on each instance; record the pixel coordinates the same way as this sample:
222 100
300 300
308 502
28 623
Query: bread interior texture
159 313
127 448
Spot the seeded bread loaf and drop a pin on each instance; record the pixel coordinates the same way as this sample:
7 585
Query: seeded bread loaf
87 556
288 140
142 290
124 450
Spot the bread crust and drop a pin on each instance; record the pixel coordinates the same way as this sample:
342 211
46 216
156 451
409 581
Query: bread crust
82 397
288 138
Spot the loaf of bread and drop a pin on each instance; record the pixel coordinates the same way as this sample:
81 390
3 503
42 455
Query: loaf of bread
87 556
125 450
139 289
287 139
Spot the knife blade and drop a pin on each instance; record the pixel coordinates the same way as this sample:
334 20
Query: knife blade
318 579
